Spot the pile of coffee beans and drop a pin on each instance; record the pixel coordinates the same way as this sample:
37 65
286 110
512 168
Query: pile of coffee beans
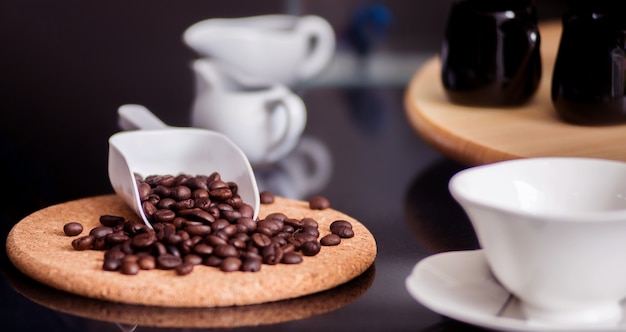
202 220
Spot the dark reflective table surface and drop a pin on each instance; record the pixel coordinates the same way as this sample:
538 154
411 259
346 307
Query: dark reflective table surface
61 86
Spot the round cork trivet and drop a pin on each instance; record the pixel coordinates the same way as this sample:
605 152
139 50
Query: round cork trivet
38 247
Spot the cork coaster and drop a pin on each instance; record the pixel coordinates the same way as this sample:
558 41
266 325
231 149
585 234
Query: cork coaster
38 247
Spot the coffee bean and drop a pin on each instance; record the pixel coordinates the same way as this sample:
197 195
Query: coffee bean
310 248
340 223
252 264
266 197
101 231
193 259
230 264
143 240
330 240
168 261
144 190
72 228
310 222
184 268
225 250
146 262
130 268
319 203
261 240
83 243
272 254
111 264
111 221
291 258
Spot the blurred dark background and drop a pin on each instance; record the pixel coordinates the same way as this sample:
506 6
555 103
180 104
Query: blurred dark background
65 67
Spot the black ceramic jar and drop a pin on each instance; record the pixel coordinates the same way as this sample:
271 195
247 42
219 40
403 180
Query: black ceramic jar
490 52
589 72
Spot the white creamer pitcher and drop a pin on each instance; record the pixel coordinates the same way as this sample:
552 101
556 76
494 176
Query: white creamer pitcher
266 49
265 122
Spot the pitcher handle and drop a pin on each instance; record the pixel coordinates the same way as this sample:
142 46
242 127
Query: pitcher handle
322 34
296 115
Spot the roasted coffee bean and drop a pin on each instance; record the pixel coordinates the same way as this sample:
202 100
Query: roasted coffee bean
215 240
193 259
195 183
249 223
304 237
198 215
184 204
111 221
237 243
149 209
230 264
101 231
272 224
116 238
201 194
202 230
219 224
340 223
162 191
225 250
261 240
291 258
83 243
218 184
212 261
72 228
100 243
168 261
130 258
144 190
220 194
146 262
319 203
343 228
330 240
294 223
252 264
311 231
166 203
164 215
246 210
130 268
266 197
310 248
203 203
111 264
173 250
114 253
203 249
309 222
143 240
184 268
272 254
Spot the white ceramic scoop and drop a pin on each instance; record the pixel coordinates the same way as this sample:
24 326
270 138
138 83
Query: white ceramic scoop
161 149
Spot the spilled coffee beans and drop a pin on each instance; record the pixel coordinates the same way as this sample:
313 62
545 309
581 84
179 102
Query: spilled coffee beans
202 220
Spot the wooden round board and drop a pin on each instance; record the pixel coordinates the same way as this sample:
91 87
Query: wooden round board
476 136
38 247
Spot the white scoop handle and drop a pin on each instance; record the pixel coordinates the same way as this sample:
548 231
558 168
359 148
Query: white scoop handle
134 116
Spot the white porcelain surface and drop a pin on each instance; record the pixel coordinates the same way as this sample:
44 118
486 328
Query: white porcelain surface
266 49
159 149
265 122
553 231
305 171
460 285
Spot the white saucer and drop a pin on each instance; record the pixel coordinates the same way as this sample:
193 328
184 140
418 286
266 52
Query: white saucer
460 285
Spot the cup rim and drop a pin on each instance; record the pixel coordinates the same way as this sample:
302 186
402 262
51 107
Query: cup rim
595 216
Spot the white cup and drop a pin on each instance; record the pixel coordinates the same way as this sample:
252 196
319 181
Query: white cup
264 122
554 234
266 49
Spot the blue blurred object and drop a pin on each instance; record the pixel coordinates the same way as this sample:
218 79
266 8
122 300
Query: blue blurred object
368 26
